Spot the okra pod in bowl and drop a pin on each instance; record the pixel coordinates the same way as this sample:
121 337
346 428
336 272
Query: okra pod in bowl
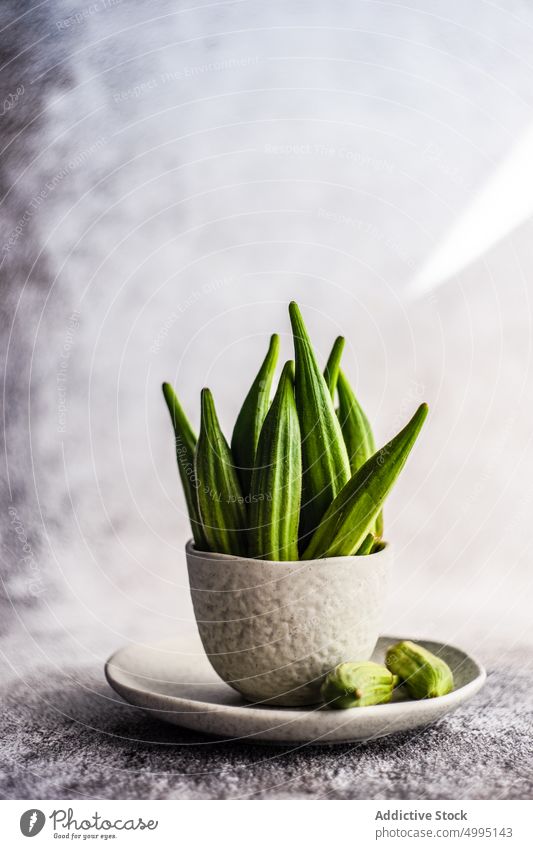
288 565
273 629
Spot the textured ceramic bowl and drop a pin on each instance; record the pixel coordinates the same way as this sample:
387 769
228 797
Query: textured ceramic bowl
272 629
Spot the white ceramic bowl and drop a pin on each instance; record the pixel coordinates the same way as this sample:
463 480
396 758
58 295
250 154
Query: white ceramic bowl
273 629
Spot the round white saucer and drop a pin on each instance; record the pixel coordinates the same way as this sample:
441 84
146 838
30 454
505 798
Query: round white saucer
174 681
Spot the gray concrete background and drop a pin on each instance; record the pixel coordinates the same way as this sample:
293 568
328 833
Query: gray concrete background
172 175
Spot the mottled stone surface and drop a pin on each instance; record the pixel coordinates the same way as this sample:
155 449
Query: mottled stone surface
67 735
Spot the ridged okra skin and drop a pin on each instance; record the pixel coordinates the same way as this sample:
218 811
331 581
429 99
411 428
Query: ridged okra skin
325 463
356 430
251 417
351 685
185 440
342 482
220 499
357 433
277 478
424 675
353 512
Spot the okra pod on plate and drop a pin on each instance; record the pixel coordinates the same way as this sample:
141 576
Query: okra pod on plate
325 463
185 440
251 417
277 478
361 684
353 512
220 499
424 674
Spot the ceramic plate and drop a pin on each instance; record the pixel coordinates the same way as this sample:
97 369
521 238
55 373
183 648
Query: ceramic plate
174 681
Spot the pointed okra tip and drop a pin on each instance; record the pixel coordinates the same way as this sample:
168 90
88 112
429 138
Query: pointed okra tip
208 413
294 311
274 344
207 405
422 412
414 425
287 373
338 347
169 395
206 397
297 323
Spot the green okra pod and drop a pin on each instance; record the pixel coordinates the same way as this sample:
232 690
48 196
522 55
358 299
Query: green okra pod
277 478
251 416
424 675
185 440
358 685
325 463
220 499
356 430
343 481
357 433
367 545
353 512
378 527
331 372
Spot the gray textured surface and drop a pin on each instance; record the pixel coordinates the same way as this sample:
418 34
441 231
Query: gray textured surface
177 174
68 736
